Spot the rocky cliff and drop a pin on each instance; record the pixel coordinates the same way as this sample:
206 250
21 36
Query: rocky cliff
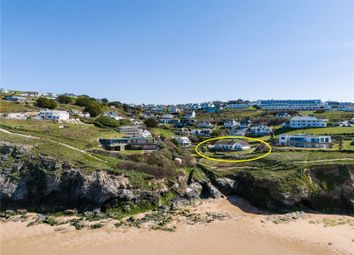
328 188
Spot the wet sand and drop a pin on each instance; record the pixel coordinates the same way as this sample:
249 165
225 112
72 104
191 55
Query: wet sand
245 232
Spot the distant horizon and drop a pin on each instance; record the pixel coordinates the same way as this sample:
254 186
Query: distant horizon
211 100
177 51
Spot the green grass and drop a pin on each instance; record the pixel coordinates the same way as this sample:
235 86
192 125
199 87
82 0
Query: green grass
9 106
324 131
161 131
82 136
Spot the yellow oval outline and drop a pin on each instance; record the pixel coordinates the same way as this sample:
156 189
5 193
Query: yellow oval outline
233 160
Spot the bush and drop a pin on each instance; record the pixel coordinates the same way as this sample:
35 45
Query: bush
106 121
64 99
104 100
151 123
44 102
93 108
156 171
84 101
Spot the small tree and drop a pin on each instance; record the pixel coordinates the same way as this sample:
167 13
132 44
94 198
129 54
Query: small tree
64 99
151 123
84 101
104 100
340 143
106 122
94 109
44 102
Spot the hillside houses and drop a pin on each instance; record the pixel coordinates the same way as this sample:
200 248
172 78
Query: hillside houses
282 115
300 105
237 105
112 115
134 131
128 143
245 123
231 124
190 115
305 141
167 118
15 98
260 130
206 132
237 132
205 124
305 122
21 115
183 141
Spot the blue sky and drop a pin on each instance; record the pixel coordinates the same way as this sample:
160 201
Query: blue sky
179 51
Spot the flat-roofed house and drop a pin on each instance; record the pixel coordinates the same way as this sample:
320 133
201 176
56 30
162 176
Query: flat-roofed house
305 141
54 115
134 131
128 143
15 98
305 122
301 105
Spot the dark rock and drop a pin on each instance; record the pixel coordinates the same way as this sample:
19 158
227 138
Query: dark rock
210 190
226 185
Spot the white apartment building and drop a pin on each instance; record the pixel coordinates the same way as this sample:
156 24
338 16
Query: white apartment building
305 122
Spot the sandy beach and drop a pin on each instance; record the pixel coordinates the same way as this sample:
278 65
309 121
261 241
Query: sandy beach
246 231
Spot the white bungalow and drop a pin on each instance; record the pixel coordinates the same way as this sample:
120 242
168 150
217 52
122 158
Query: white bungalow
230 145
183 141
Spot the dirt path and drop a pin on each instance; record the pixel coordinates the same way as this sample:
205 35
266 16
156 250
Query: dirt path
53 141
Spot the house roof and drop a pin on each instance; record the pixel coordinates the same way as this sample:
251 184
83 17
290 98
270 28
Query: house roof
231 142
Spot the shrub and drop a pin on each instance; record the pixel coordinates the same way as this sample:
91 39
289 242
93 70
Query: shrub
106 121
64 99
151 123
44 102
84 101
93 108
156 171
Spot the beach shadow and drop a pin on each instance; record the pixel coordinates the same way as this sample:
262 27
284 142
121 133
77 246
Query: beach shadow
245 206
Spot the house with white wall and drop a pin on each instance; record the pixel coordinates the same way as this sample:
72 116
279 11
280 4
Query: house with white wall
231 124
54 115
230 145
305 141
261 130
183 141
305 122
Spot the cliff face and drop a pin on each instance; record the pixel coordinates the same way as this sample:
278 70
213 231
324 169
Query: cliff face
45 184
326 188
